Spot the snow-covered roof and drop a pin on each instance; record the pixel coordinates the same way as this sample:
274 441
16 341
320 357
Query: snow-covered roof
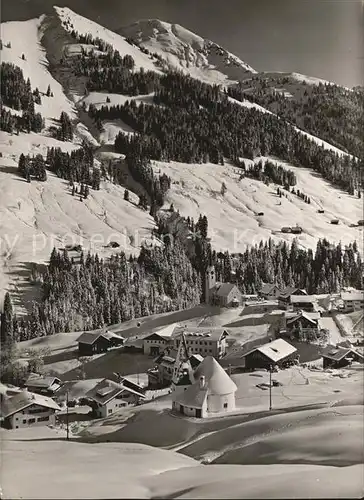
224 289
42 382
311 317
106 390
91 337
338 353
303 298
197 331
168 330
23 400
276 350
193 397
268 288
290 290
216 379
348 296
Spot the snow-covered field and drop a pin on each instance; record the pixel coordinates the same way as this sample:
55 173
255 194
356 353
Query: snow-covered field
38 216
233 219
131 470
310 445
24 38
98 99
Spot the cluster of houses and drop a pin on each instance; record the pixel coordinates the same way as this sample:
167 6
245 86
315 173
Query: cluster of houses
40 401
186 360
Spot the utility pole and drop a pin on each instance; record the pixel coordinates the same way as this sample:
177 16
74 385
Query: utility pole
67 416
270 387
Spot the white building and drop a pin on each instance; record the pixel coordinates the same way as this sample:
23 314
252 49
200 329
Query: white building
155 343
213 392
206 341
221 294
353 301
27 409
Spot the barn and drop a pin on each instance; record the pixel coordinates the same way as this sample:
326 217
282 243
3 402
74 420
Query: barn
276 353
90 343
339 357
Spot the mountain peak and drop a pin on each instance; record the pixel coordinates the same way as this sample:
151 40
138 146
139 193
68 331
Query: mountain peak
186 51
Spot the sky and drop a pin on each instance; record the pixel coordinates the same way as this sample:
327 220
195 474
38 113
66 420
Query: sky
322 38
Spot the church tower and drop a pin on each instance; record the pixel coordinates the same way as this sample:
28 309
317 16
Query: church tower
210 283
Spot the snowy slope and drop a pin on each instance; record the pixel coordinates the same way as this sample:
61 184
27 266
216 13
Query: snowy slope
188 52
317 140
35 217
24 37
84 26
233 219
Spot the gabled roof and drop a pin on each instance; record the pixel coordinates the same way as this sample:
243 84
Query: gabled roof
25 399
156 336
338 353
91 337
42 382
302 314
225 288
290 290
303 298
268 288
276 350
106 390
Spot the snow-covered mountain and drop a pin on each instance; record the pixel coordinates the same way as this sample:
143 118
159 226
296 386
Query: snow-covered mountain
32 213
183 50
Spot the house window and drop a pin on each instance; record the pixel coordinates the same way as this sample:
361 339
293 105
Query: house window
24 421
225 405
109 411
43 419
31 421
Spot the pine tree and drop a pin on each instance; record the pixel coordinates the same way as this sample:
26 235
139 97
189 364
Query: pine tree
126 195
49 92
7 332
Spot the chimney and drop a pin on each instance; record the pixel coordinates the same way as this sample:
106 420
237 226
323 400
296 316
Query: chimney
202 382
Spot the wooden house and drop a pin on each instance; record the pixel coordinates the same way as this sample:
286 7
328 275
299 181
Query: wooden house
300 324
276 353
108 397
43 385
284 299
27 409
90 343
339 357
306 303
270 291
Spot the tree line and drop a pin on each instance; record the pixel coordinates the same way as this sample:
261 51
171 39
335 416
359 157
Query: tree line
16 92
197 123
329 111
